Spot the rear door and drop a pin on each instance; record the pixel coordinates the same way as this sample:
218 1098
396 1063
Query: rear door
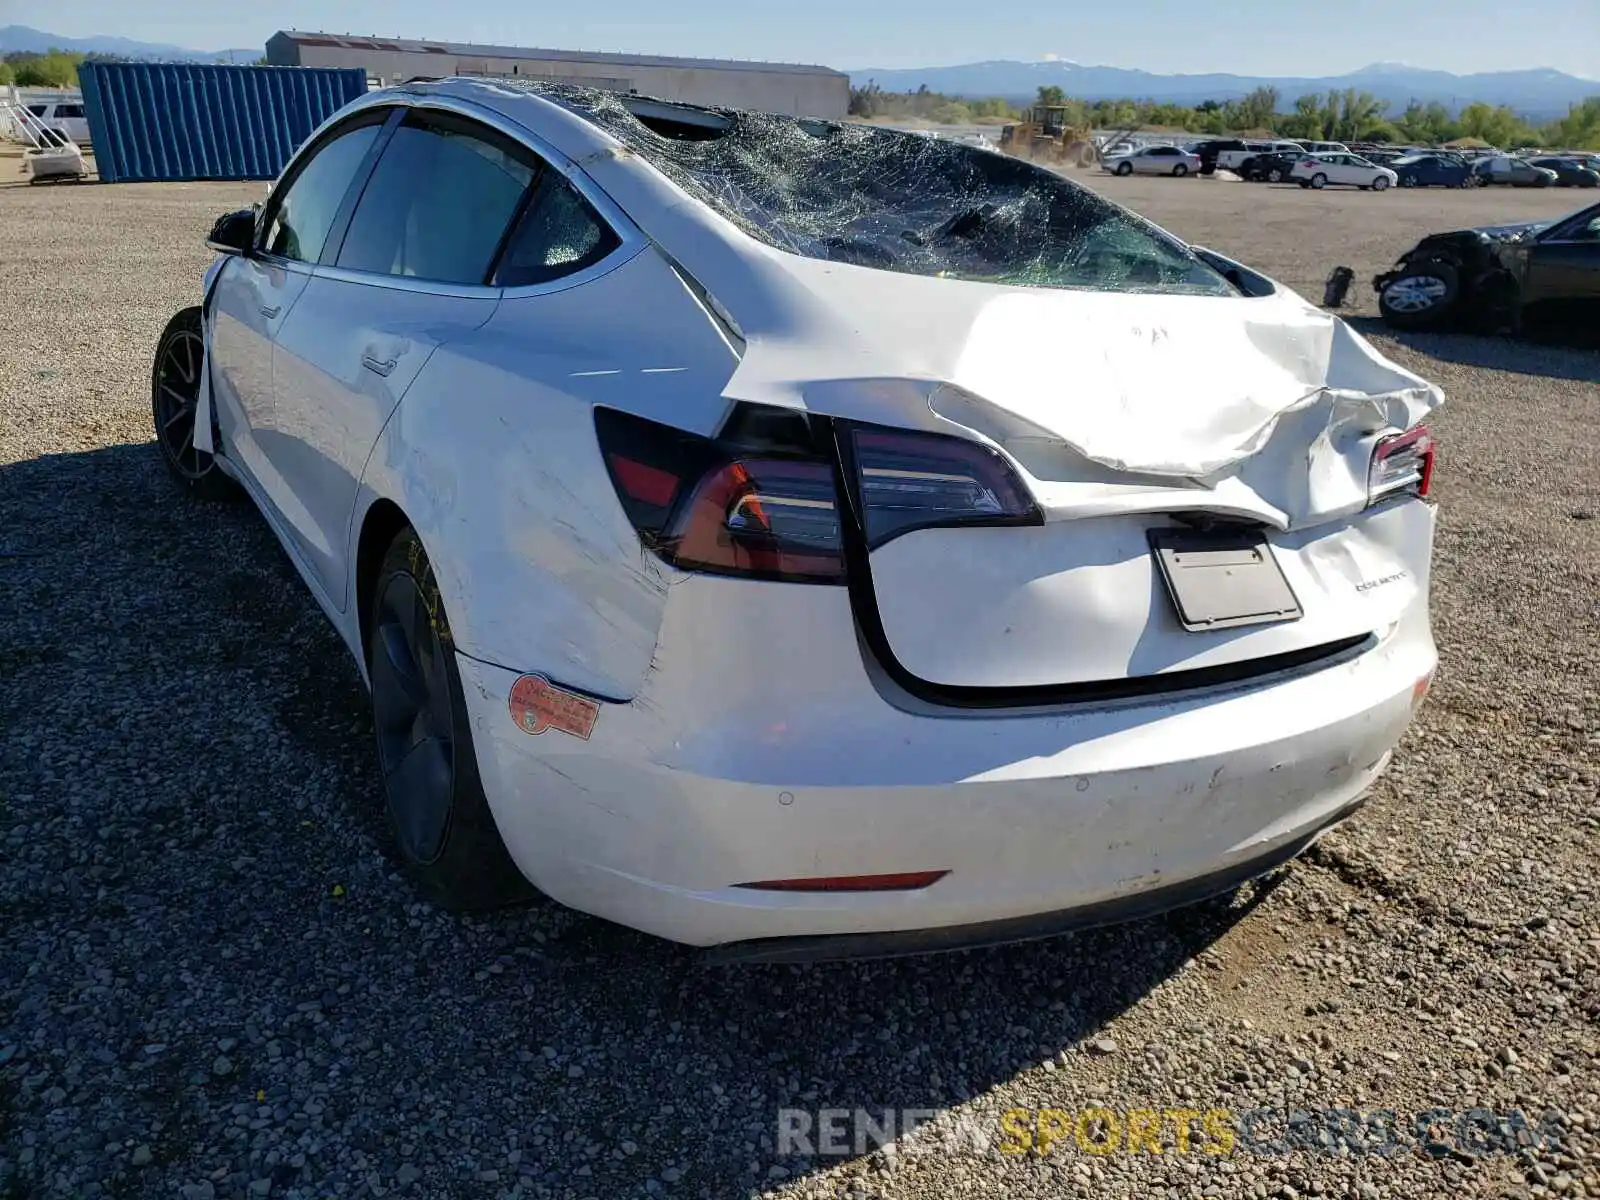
255 293
410 274
1159 160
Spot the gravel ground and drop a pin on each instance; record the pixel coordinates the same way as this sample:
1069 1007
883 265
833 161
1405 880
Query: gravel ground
212 982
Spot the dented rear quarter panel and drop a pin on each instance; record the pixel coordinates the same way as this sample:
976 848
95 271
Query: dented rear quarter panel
493 459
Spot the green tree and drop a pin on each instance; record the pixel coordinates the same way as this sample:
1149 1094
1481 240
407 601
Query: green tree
1305 121
1052 95
1257 110
1359 118
1579 129
56 69
1498 126
1429 124
6 74
866 101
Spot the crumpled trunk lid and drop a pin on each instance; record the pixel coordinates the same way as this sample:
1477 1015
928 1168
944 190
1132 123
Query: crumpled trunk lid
1125 413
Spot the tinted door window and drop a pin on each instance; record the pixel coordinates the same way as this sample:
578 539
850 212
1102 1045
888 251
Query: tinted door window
70 110
438 202
558 235
304 214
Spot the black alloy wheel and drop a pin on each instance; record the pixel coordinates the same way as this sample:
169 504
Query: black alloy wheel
414 717
444 831
175 378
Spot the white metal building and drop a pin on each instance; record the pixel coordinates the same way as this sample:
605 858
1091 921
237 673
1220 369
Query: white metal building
794 89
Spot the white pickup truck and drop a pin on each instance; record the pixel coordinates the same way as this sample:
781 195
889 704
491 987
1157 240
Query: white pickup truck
1230 154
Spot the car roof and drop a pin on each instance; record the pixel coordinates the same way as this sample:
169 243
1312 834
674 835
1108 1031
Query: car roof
693 180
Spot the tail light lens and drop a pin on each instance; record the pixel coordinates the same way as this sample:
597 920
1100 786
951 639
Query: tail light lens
761 500
920 480
771 517
1402 462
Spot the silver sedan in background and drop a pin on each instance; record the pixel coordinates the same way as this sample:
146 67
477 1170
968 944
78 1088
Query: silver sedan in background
1154 160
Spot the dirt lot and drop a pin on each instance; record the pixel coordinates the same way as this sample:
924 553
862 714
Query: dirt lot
212 983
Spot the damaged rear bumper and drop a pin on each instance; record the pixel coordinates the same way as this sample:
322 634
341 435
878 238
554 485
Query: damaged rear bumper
1121 910
765 746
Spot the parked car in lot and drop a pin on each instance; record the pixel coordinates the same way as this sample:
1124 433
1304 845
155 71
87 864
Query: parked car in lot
65 118
1540 276
1431 170
1231 154
1319 170
1323 147
1153 160
724 562
1269 168
1570 172
1511 172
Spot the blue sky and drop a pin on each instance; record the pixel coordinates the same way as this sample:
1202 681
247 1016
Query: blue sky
1256 37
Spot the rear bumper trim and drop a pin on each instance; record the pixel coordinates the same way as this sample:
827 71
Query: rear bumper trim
1135 907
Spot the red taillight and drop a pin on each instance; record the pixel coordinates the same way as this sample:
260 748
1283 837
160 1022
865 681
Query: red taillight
646 483
762 501
1402 462
777 518
909 881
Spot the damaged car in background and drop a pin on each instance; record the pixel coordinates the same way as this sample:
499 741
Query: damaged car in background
806 540
1540 277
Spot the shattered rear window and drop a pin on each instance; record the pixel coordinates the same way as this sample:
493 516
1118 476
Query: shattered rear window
895 201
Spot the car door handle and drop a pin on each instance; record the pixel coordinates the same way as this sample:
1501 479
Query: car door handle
381 366
269 311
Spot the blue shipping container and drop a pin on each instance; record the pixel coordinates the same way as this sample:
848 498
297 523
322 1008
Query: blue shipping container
168 121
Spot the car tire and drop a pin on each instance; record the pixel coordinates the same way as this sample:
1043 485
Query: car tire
1319 181
1421 296
1125 168
1275 175
442 829
1381 183
175 375
1179 171
1406 181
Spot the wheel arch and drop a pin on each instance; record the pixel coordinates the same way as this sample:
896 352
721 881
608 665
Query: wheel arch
380 525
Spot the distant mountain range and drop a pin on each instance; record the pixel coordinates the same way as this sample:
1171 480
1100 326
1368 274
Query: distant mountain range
1540 93
20 37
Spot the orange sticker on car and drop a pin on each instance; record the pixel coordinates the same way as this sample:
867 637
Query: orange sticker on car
537 705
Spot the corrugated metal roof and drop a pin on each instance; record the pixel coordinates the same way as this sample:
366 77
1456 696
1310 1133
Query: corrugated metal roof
473 50
158 121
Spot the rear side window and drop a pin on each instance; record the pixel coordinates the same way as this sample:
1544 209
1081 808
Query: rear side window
439 201
302 216
69 110
559 234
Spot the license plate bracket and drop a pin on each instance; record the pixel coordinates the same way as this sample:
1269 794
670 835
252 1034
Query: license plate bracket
1222 579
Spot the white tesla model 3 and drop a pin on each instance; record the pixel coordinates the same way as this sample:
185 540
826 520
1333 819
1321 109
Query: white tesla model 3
807 540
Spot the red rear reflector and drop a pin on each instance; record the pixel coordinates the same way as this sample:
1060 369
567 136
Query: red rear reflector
650 484
908 882
1419 691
